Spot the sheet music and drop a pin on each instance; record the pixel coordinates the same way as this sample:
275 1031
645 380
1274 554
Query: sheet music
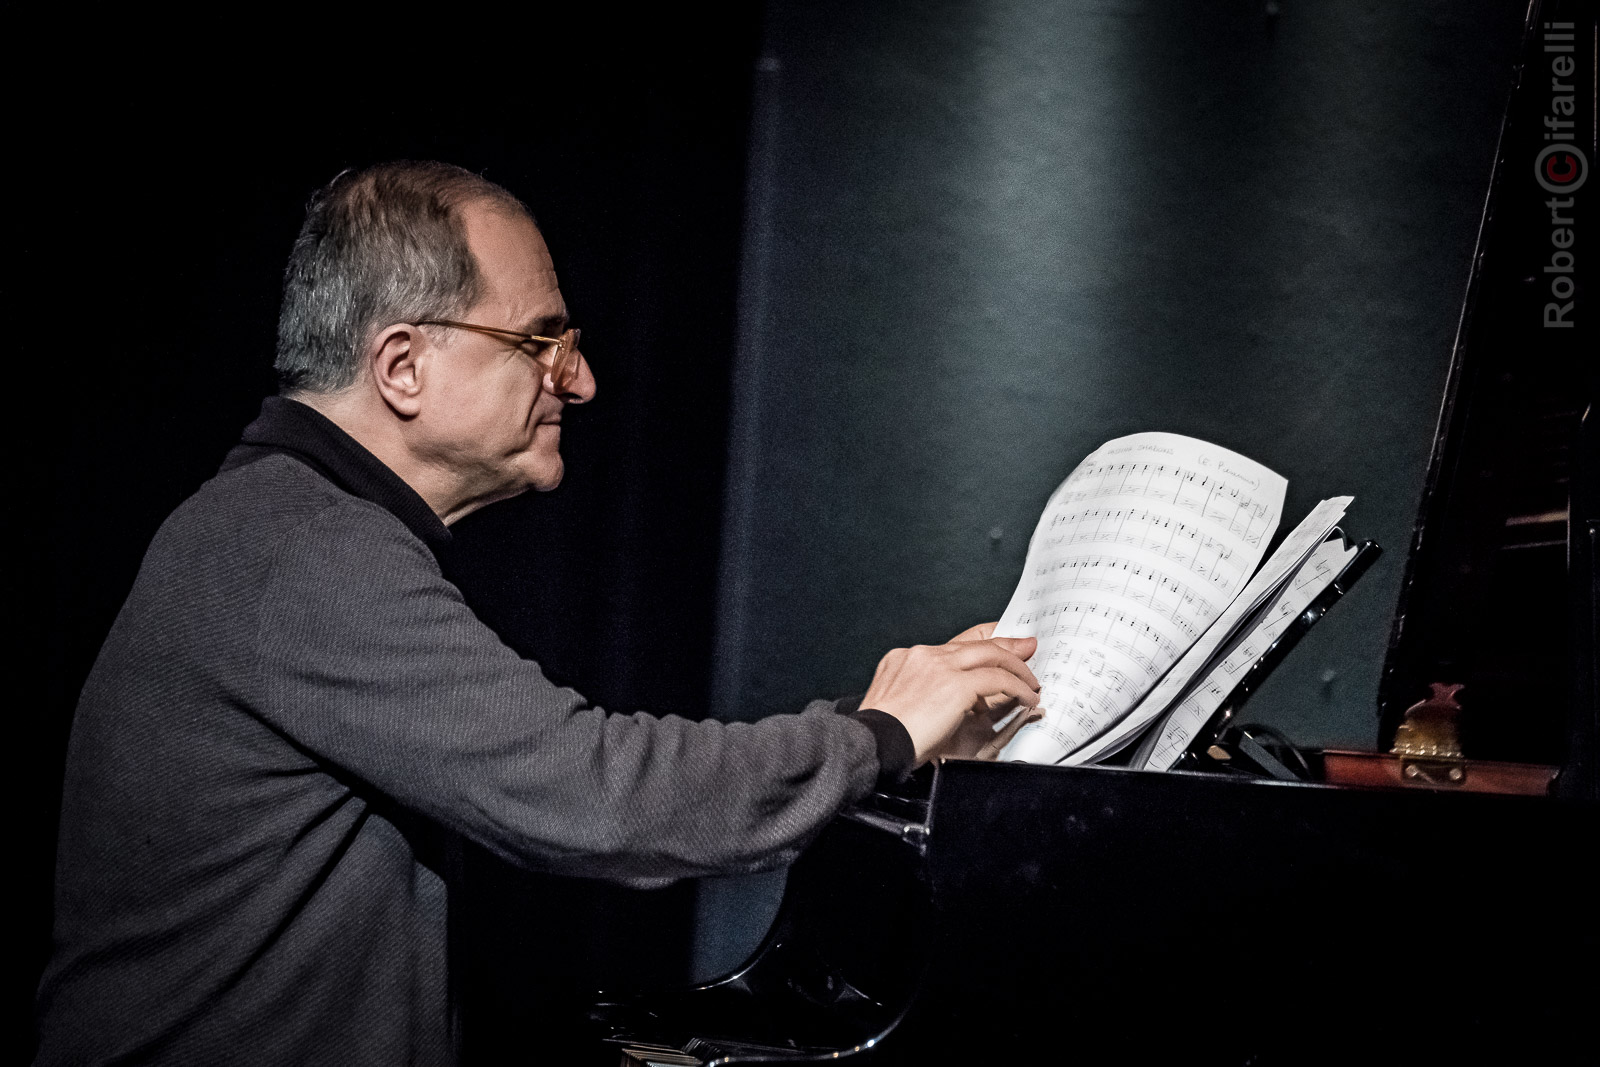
1185 721
1293 552
1137 553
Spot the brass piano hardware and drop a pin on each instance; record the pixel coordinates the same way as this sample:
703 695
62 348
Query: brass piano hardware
1428 741
1433 772
1427 755
1429 730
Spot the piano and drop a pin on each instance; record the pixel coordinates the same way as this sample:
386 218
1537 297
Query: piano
1007 913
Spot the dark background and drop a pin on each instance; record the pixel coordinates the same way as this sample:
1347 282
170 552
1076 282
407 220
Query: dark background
172 183
991 237
860 284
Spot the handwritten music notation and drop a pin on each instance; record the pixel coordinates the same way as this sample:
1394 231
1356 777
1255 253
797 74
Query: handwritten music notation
1184 544
1187 720
1213 497
1184 723
1138 551
1264 586
1186 606
1134 635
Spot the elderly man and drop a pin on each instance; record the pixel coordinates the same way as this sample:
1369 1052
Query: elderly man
296 717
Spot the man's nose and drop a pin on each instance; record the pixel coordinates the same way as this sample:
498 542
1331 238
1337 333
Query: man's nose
581 389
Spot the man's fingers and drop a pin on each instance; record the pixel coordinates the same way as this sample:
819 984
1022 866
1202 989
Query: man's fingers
997 706
997 681
998 652
1002 738
981 632
949 695
1021 646
1033 714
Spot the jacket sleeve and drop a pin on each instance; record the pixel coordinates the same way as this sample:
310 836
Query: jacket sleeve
370 660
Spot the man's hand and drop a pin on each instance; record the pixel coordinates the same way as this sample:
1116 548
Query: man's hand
979 739
950 696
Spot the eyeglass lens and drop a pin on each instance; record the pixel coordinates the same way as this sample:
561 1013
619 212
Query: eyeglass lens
564 371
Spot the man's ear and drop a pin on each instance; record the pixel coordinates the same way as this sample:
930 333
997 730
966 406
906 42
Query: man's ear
396 356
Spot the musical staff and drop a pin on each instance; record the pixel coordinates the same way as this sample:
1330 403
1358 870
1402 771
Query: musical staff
1183 543
1189 717
1267 584
1146 586
1134 635
1213 498
1137 553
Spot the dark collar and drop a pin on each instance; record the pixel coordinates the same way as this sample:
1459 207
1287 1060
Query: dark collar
292 428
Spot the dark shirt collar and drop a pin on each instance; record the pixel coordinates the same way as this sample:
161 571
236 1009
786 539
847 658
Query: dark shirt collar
290 427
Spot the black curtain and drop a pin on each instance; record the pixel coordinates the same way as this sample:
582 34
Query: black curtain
162 184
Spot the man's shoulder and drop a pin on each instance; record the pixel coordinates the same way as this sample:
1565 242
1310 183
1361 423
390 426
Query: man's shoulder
269 498
228 549
278 479
234 530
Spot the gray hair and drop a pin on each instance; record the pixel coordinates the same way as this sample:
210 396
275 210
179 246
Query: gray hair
379 246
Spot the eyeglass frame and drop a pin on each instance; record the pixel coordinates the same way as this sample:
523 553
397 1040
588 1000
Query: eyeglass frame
562 372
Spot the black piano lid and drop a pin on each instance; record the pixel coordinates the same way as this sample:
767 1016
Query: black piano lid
1495 595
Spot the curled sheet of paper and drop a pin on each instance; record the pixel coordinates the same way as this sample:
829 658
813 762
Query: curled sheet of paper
1285 562
1184 722
1136 556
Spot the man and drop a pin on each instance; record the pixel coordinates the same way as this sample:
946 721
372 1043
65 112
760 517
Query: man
296 717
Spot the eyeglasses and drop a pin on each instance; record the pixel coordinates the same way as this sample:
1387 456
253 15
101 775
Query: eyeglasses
562 365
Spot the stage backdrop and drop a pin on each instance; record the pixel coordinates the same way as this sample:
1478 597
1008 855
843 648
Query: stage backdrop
983 238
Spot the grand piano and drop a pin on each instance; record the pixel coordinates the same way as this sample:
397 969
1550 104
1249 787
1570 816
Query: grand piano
1006 913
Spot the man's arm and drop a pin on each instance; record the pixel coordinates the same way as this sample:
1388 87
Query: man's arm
370 660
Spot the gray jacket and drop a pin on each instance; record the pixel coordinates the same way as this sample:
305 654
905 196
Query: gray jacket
293 714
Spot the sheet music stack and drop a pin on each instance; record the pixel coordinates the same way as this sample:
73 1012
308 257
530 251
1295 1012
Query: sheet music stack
1141 584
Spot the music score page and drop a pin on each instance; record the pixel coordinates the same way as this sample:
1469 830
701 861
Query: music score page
1266 585
1137 553
1183 723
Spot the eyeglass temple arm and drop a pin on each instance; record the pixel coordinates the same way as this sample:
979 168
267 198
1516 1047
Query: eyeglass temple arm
491 329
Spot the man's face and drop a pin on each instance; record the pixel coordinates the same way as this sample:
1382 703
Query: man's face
494 422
